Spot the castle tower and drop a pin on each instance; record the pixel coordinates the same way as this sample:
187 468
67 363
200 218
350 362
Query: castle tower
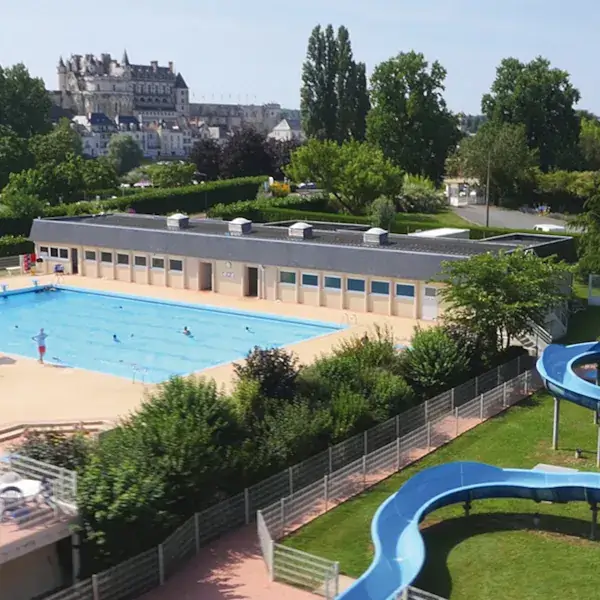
62 75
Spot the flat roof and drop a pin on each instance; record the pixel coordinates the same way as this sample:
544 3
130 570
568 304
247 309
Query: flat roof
338 237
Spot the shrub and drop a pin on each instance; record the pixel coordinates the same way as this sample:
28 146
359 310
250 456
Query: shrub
274 369
383 213
280 190
12 245
419 195
69 451
434 362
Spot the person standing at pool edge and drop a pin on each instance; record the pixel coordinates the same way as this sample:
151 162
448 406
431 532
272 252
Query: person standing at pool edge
40 338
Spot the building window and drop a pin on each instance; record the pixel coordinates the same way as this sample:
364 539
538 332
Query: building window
122 259
287 277
61 253
106 257
53 252
139 261
158 263
90 255
380 288
44 250
175 265
405 290
333 283
355 285
310 280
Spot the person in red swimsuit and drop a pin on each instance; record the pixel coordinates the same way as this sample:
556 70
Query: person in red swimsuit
40 338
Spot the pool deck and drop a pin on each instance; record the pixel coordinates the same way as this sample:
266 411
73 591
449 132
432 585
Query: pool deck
32 392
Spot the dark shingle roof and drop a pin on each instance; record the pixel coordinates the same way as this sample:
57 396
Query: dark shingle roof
180 82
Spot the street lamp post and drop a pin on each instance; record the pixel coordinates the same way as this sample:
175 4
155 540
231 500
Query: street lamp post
487 191
196 173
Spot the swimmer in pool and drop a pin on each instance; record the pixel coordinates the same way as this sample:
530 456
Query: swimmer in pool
186 331
249 330
115 338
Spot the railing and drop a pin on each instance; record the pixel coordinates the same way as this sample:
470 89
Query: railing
300 483
444 424
7 262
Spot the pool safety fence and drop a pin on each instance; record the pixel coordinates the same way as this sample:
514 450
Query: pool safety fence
286 501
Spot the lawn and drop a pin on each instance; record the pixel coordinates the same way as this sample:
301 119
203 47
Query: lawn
496 552
446 218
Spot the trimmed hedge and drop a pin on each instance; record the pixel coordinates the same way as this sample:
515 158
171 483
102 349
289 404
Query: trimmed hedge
190 199
254 209
12 245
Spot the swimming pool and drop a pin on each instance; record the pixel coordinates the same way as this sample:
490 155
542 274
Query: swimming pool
80 325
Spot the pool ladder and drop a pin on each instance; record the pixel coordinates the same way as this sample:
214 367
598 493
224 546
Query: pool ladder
138 373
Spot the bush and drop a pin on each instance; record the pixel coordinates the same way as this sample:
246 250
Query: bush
383 213
419 195
434 362
254 209
280 190
13 245
68 451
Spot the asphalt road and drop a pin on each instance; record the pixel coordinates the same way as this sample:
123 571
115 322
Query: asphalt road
499 217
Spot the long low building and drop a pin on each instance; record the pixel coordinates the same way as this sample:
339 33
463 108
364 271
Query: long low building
349 267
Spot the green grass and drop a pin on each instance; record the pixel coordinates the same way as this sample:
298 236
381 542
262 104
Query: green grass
446 218
495 553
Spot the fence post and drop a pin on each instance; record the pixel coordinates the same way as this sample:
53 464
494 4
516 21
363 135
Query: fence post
397 426
477 385
498 378
326 491
364 470
398 453
452 399
291 480
95 589
428 436
282 515
481 407
504 403
197 531
161 565
518 365
272 559
330 459
336 581
425 411
457 421
526 386
366 442
247 504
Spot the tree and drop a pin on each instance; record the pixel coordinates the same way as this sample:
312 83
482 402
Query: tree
125 153
588 246
99 174
589 143
21 205
503 148
542 99
246 155
56 146
25 102
334 98
281 154
14 154
174 174
206 155
354 173
501 295
409 120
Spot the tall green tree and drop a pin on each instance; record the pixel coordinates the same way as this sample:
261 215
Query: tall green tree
245 155
54 147
14 154
24 102
589 143
354 173
589 243
501 147
334 100
542 99
409 119
499 296
125 153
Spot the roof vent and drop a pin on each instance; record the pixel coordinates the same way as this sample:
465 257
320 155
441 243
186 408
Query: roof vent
178 221
375 236
240 226
301 231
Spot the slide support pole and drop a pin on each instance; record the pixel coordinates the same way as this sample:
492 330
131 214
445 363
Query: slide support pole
598 450
556 423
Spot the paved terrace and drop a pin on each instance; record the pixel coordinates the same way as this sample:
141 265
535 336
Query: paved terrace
54 393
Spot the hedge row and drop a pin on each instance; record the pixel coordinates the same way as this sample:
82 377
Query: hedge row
189 199
13 245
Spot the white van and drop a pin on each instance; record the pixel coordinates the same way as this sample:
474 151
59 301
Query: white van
549 228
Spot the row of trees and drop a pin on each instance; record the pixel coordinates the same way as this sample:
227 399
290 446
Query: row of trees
529 119
190 446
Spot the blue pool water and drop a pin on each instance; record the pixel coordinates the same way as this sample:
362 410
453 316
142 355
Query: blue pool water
80 327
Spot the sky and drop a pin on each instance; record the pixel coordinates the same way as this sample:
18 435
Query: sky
243 51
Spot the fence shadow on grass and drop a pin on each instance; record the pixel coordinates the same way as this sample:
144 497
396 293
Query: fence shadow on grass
443 537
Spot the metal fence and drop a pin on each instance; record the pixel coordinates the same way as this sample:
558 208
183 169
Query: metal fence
287 500
444 423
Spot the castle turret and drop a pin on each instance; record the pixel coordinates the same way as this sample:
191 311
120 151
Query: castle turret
62 75
125 59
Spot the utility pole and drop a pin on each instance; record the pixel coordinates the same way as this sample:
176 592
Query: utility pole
487 191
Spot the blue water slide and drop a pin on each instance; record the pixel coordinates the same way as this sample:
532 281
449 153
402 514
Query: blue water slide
399 546
557 367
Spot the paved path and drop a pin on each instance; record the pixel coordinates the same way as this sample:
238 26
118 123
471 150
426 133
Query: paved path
500 217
